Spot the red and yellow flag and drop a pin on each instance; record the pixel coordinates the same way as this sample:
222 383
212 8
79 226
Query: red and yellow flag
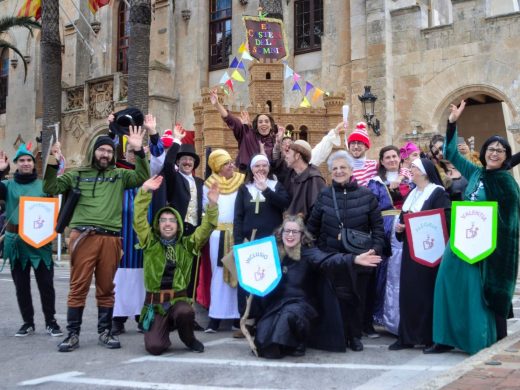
94 5
31 8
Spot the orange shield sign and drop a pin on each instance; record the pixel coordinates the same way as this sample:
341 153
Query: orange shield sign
37 220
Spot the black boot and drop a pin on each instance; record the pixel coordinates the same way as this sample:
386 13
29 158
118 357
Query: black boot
71 342
106 338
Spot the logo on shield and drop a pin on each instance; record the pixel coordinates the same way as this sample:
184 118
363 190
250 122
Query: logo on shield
40 231
473 230
258 265
427 236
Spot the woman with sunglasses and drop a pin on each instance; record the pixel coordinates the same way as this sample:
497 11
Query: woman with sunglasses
473 301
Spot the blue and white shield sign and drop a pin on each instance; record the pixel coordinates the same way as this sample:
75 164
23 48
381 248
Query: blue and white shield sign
258 265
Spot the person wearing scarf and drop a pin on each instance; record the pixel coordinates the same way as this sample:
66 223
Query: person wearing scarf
473 301
417 280
223 293
260 202
21 255
168 263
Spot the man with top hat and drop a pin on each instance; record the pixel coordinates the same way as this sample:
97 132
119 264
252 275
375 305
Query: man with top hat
21 255
358 143
183 188
95 239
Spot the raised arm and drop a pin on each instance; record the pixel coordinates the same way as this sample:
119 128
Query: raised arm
452 153
322 150
213 97
141 202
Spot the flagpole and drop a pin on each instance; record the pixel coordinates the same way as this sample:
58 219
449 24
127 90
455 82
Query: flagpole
83 17
79 32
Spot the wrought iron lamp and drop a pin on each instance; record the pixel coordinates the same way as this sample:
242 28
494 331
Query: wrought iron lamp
368 100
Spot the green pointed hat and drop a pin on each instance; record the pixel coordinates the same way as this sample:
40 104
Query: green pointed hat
23 151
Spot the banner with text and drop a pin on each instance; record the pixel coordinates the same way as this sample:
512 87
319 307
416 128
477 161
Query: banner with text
258 265
37 220
473 230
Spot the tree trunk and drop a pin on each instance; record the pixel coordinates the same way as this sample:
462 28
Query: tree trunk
139 54
51 71
273 8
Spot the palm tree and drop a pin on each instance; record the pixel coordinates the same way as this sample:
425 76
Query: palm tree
9 22
139 53
51 71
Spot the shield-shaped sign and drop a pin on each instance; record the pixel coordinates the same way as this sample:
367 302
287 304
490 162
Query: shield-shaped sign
427 236
258 265
473 230
37 220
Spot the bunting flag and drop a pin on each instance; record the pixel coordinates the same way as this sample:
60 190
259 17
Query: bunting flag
241 66
229 83
94 5
226 90
288 72
237 76
242 48
234 63
246 56
305 103
316 95
296 76
308 87
31 8
296 87
224 78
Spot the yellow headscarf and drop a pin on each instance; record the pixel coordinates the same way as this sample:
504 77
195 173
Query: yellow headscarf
217 159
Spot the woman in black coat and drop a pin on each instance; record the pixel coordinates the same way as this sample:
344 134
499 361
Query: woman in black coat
284 317
357 208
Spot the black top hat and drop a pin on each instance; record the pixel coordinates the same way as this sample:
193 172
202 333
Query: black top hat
189 150
123 119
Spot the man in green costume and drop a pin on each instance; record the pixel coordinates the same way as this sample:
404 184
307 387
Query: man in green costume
21 255
168 263
95 238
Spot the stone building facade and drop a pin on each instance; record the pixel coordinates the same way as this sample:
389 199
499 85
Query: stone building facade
419 56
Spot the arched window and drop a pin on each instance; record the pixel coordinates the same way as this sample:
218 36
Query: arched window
4 79
123 35
268 76
303 133
270 105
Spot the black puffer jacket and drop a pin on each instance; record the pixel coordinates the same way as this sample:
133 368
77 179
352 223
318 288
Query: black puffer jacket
358 209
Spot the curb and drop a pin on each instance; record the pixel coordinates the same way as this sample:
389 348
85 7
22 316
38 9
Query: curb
472 362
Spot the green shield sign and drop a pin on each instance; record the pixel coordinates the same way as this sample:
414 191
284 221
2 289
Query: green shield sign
473 230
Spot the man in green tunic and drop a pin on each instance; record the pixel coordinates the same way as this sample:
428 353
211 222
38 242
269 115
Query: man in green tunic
168 263
21 255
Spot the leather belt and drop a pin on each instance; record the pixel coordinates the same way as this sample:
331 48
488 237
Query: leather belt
163 296
11 228
97 230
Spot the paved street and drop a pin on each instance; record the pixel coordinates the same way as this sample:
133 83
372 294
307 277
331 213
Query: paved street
33 361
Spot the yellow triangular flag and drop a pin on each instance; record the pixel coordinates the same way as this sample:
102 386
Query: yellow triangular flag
242 48
305 103
237 76
317 93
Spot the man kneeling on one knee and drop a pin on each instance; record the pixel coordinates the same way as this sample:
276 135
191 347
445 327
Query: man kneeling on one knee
168 263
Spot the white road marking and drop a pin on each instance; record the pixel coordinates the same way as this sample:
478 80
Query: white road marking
77 377
264 363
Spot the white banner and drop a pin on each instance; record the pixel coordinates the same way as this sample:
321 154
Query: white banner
427 236
37 220
474 230
258 265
